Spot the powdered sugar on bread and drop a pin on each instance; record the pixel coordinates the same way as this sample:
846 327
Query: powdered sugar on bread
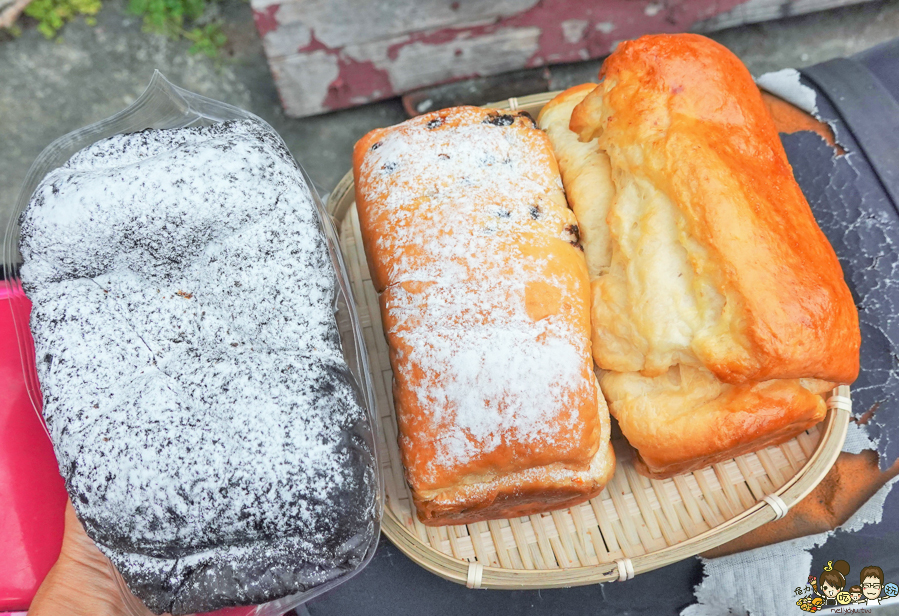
201 410
484 293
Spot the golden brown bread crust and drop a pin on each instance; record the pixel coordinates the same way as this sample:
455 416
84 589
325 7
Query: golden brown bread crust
720 301
409 226
687 419
485 303
681 114
534 490
412 323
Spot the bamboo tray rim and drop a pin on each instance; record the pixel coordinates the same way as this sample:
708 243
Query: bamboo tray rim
833 431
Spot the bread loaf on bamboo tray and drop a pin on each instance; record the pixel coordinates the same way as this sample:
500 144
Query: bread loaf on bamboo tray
485 300
719 314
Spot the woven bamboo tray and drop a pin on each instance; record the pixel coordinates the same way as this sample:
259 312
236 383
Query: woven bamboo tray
635 525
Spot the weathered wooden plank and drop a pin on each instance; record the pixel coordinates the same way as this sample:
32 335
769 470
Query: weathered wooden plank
754 11
330 54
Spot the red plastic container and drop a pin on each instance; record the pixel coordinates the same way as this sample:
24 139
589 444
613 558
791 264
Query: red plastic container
32 494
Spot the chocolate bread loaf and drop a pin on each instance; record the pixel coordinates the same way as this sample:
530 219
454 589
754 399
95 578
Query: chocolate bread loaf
207 426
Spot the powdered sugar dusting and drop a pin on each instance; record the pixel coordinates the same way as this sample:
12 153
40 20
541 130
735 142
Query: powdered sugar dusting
194 387
489 385
474 223
439 186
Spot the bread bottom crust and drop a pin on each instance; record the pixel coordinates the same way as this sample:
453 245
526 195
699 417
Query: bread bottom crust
679 426
776 438
534 490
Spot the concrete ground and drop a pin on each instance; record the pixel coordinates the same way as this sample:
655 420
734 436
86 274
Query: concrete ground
48 88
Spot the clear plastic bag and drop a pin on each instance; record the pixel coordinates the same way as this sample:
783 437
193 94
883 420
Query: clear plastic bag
165 106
